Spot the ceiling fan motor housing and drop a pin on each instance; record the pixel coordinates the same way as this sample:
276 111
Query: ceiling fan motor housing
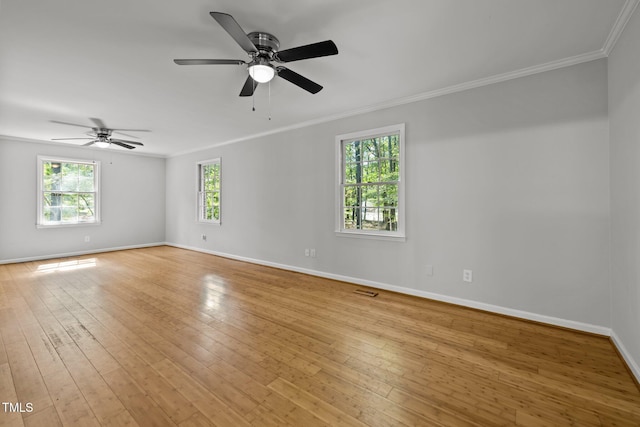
264 42
100 133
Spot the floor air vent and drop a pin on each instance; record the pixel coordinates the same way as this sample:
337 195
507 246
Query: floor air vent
365 293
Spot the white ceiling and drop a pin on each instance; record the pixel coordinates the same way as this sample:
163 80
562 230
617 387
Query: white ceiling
70 60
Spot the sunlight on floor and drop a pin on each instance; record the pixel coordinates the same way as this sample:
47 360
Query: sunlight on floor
211 296
67 265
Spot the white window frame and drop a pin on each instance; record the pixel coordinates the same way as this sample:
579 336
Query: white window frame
341 140
41 222
200 193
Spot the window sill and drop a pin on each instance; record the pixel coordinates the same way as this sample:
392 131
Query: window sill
77 224
372 236
208 222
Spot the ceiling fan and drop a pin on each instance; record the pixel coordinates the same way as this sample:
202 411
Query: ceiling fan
100 135
263 49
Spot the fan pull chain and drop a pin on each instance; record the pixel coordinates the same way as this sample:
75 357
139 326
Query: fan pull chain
253 100
269 99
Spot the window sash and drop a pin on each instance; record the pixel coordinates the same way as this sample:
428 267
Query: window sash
204 207
367 171
67 199
208 192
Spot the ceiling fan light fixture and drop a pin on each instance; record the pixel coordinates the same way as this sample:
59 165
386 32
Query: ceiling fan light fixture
262 73
102 144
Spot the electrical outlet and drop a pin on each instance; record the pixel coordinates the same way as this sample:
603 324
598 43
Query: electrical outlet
306 252
467 275
313 252
203 237
429 270
87 239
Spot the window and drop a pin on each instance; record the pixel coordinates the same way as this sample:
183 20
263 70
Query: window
209 191
370 183
68 192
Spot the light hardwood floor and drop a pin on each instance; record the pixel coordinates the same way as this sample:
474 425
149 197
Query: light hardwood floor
164 336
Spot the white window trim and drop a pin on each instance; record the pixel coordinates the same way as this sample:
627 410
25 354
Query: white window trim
398 235
199 165
40 223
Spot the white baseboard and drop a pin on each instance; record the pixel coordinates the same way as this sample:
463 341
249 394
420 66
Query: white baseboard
555 321
78 253
570 324
631 363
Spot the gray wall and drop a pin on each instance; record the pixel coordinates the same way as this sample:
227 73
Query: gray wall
510 180
133 202
624 110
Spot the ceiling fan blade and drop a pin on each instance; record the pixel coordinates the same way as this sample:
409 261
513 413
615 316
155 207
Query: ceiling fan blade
90 143
121 144
234 29
66 139
99 123
299 80
249 87
126 142
209 61
130 130
70 124
314 50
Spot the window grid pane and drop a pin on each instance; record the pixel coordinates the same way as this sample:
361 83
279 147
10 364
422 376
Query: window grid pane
209 192
370 176
68 192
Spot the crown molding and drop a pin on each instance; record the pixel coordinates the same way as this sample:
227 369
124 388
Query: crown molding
618 26
498 78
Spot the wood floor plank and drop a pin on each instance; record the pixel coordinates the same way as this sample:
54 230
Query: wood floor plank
8 395
165 336
213 409
70 404
264 416
100 397
168 398
141 407
368 407
29 385
316 406
44 417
